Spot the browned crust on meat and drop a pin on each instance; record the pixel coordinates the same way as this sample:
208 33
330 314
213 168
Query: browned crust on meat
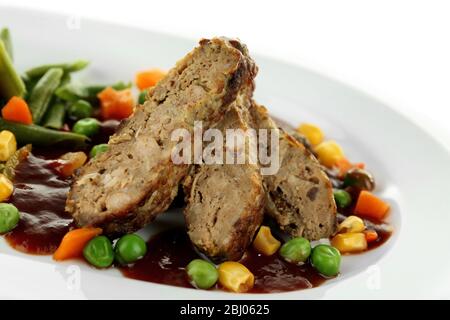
110 191
300 195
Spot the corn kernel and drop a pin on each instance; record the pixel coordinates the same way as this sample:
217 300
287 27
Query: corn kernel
349 242
265 242
8 145
351 224
329 152
6 188
235 277
312 132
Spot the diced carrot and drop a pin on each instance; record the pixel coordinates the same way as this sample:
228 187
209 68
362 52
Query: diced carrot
73 243
371 235
17 110
360 165
371 206
116 104
147 79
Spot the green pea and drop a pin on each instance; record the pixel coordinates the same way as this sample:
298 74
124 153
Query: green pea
9 217
99 252
342 198
130 248
143 96
98 149
296 250
202 273
326 259
80 110
86 126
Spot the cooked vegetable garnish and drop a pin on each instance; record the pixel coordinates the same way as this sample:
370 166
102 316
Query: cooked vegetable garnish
142 96
66 67
41 136
99 252
72 91
94 90
87 126
75 91
10 82
130 248
351 224
149 78
54 118
9 217
42 93
371 206
98 149
359 178
6 38
116 104
342 198
17 110
73 243
80 110
349 242
14 160
6 188
329 152
235 277
71 161
202 274
296 250
371 235
265 242
312 132
343 165
326 259
8 145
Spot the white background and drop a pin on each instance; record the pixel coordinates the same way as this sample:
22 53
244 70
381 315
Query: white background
397 51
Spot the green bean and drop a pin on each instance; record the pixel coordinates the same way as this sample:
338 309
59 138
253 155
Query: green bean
66 67
10 82
6 38
93 90
54 117
42 93
40 136
72 92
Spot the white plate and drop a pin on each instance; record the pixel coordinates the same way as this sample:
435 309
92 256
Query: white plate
412 170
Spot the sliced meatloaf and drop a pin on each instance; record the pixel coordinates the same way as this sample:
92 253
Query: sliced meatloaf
124 188
300 195
225 202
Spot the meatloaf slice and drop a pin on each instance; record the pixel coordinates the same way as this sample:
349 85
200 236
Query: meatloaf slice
225 203
137 169
300 195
